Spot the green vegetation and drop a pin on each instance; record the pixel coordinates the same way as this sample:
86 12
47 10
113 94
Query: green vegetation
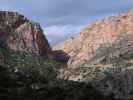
29 77
22 75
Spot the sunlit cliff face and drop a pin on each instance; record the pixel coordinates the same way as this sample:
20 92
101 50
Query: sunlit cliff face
96 34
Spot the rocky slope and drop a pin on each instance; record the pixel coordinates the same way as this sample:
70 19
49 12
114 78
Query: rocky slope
104 58
96 34
109 69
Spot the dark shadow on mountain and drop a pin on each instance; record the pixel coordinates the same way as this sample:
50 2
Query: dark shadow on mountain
61 56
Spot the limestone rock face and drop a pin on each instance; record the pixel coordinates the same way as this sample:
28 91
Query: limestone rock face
20 34
96 34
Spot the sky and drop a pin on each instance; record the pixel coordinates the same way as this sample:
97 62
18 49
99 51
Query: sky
61 19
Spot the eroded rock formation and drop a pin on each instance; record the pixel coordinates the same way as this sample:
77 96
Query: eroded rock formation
96 34
20 34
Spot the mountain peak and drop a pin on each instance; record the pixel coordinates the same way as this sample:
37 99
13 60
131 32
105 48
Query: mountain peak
20 34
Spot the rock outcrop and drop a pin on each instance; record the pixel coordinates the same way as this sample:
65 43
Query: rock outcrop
96 34
20 34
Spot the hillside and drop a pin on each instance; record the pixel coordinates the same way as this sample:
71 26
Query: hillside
103 56
95 34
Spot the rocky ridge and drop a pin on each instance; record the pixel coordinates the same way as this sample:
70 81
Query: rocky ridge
96 34
20 34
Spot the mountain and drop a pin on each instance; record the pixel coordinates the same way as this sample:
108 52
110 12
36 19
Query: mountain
96 34
103 56
29 68
20 34
97 64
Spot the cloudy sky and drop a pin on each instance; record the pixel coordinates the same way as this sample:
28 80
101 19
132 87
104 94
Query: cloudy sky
62 18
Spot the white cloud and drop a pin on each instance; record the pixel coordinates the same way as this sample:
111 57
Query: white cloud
57 33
